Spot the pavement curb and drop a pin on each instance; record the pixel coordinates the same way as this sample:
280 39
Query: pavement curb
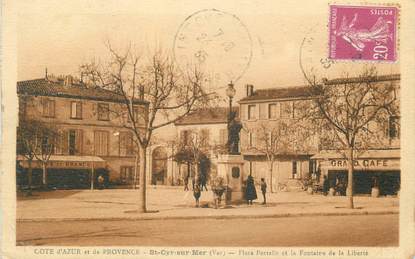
279 215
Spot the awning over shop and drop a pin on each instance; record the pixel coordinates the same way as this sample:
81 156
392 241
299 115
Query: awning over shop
67 162
380 153
370 160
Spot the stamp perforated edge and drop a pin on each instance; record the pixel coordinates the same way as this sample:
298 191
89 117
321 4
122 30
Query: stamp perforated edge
366 4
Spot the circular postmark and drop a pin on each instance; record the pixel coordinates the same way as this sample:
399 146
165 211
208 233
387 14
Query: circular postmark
215 41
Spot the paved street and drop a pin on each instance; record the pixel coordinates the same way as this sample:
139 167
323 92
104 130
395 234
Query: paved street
121 204
368 230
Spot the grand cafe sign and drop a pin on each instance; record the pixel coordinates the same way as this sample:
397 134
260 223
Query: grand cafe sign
363 164
65 164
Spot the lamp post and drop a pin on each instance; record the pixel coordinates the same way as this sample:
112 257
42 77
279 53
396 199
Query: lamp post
230 92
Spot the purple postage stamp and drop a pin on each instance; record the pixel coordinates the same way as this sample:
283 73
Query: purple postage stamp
363 32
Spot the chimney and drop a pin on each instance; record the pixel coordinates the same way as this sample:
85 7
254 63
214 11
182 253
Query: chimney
46 74
249 90
68 81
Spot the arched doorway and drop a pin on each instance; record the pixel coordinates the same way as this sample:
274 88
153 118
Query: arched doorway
159 166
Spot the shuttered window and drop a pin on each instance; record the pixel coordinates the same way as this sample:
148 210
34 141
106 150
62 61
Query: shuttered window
272 111
126 144
62 145
223 136
76 110
204 137
252 112
394 127
286 110
74 142
252 139
185 137
48 108
103 111
101 143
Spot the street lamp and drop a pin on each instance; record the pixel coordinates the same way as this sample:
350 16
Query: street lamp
230 92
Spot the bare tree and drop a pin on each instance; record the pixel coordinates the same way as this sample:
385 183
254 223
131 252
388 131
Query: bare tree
282 137
36 140
191 148
273 141
26 145
345 109
46 140
168 93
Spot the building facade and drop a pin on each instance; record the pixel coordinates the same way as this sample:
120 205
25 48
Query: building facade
203 131
279 142
91 133
303 152
275 141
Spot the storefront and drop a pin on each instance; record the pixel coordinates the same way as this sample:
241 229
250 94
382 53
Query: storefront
65 171
379 168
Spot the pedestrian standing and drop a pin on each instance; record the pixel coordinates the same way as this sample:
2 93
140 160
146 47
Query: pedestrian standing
196 194
186 183
203 181
264 189
100 182
325 185
193 182
250 193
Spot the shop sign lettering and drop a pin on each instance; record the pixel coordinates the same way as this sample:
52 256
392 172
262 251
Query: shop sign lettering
63 164
378 163
68 164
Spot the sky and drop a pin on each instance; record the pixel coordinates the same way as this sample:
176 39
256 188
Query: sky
62 35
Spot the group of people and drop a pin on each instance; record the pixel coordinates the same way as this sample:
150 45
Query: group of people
201 183
250 190
339 186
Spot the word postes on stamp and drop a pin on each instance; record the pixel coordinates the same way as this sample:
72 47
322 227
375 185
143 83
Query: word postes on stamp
363 33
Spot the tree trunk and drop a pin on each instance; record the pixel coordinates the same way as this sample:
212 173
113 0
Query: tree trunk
136 171
29 176
143 182
196 176
45 175
271 182
350 177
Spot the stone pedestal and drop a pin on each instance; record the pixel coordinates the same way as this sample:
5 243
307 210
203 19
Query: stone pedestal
230 167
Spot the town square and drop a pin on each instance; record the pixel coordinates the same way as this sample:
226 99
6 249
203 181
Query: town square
188 128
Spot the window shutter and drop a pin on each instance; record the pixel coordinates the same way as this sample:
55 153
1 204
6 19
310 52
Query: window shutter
96 142
64 142
130 147
223 138
79 110
44 106
79 141
105 143
52 108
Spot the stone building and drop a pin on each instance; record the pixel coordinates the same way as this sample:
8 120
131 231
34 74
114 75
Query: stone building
280 116
302 152
204 130
91 133
274 144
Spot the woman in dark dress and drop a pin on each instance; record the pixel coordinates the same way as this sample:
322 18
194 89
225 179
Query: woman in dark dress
196 194
250 193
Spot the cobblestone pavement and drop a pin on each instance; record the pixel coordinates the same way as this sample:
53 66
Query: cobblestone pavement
175 203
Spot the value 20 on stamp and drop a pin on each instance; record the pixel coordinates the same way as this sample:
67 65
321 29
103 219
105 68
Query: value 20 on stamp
363 33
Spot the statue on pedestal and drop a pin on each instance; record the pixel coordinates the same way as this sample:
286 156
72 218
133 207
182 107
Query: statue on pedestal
234 127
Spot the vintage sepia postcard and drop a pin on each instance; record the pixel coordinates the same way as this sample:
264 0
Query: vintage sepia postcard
207 129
